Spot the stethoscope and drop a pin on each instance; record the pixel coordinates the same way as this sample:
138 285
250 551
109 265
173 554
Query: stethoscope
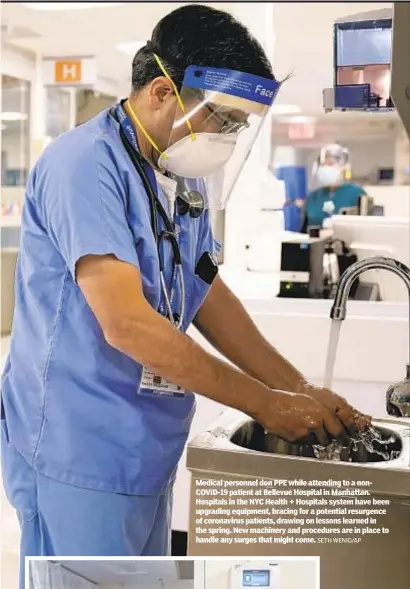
192 204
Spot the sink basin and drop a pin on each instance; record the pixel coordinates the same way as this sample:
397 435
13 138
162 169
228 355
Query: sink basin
388 445
235 451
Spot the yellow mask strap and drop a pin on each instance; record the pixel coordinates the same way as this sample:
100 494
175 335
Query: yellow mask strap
136 120
181 104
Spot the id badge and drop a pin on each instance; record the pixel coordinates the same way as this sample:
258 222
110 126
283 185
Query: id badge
156 386
329 207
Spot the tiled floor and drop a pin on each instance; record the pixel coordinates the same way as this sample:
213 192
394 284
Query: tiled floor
9 570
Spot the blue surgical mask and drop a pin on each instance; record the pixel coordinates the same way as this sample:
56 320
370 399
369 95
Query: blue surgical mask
329 175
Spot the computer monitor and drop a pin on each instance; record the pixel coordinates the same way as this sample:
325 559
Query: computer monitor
385 174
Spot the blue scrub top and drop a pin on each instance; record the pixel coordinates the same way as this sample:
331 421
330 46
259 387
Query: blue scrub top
71 402
346 195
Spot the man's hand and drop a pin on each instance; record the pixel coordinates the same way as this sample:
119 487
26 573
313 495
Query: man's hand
353 420
294 417
224 322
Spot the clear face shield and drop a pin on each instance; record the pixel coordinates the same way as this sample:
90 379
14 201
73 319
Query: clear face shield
218 117
332 166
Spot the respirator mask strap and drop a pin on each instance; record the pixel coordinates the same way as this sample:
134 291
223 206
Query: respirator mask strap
136 120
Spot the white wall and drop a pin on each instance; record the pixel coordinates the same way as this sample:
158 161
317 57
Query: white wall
294 574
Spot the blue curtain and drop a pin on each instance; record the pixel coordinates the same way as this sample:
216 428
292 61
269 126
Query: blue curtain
295 179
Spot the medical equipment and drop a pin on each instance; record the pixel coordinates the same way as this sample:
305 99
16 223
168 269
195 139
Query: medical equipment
302 271
191 202
156 208
264 575
372 63
362 59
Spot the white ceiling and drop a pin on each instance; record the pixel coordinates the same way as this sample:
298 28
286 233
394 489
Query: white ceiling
94 31
303 39
138 573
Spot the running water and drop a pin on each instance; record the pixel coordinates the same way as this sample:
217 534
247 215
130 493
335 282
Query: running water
367 439
371 439
331 353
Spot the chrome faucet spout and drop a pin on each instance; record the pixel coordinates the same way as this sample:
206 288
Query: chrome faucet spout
398 394
338 311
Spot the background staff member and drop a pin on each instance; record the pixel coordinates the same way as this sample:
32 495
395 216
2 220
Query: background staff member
332 171
92 431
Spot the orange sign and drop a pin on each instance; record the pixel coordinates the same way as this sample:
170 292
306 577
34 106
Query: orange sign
66 71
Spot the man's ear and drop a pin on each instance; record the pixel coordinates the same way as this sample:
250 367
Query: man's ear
159 90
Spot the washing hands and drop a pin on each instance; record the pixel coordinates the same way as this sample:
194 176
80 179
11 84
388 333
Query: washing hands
353 421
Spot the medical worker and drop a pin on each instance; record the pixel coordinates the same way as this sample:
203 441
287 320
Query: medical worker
97 400
335 192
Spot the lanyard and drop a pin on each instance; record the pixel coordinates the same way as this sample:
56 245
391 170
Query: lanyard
129 132
131 135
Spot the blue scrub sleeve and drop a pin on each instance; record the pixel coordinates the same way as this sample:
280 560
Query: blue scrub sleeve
84 205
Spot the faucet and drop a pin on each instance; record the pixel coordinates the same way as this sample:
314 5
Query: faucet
398 394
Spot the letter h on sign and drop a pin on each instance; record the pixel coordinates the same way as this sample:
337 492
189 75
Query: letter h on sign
68 71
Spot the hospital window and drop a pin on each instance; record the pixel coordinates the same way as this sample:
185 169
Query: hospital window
15 131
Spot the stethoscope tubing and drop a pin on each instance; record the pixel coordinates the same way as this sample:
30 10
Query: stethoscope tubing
169 234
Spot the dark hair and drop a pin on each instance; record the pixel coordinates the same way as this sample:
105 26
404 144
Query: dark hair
199 35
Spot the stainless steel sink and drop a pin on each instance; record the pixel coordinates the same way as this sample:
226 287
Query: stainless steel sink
389 445
236 448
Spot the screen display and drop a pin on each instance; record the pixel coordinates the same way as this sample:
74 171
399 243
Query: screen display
363 58
295 257
386 173
258 578
363 43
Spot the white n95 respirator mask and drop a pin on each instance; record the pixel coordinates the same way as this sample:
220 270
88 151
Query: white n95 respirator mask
199 155
329 175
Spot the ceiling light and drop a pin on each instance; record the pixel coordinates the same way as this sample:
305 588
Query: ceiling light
133 572
285 109
68 5
13 116
131 48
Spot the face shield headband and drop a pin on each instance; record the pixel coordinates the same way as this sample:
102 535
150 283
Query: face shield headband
332 158
218 115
